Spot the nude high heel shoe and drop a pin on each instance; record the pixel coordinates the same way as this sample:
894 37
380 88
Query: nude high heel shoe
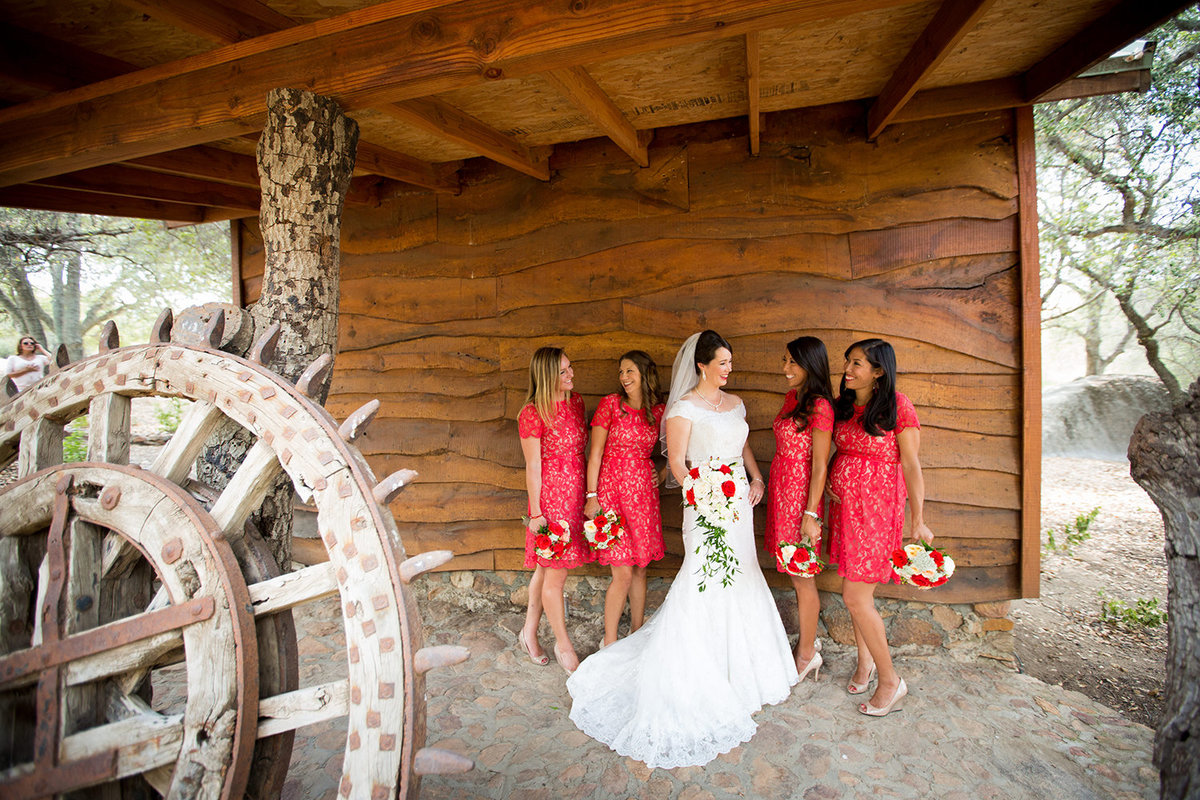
860 688
813 666
561 658
896 704
541 660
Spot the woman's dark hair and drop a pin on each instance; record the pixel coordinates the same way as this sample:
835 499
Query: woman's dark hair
651 394
880 413
707 346
810 355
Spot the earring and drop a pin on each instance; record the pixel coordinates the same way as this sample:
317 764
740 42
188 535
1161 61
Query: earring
703 375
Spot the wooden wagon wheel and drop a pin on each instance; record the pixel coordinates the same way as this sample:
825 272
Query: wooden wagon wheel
383 694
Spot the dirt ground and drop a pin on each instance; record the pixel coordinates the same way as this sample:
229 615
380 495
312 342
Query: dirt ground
1060 637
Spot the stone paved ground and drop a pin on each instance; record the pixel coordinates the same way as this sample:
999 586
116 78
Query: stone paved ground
968 731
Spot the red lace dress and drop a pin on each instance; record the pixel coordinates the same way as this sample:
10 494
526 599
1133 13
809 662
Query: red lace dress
867 521
562 477
626 483
791 470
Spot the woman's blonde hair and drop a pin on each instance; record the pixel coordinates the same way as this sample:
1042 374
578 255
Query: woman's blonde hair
543 381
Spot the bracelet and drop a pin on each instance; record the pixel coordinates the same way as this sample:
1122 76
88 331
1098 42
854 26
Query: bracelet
813 514
758 480
590 494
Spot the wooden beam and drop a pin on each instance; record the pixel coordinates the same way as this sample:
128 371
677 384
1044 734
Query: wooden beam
953 20
578 86
453 46
1002 93
443 120
400 167
43 64
72 202
222 21
753 59
209 163
1031 355
1093 44
128 182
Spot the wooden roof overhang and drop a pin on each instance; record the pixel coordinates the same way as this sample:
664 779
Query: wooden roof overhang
150 108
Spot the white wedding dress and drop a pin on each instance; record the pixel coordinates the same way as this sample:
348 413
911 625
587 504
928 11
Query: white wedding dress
681 691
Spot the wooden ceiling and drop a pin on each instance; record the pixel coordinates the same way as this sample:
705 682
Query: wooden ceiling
151 108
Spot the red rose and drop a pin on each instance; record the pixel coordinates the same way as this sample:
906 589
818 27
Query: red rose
600 521
541 541
691 497
941 580
899 558
555 528
601 536
559 549
921 580
937 558
729 488
694 473
814 568
725 469
802 553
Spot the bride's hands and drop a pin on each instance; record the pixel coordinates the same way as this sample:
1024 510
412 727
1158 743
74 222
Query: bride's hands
757 490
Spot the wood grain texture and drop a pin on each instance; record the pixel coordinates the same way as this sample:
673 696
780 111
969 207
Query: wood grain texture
914 238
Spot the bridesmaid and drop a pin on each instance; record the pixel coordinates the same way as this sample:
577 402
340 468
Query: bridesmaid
803 431
878 438
552 431
621 477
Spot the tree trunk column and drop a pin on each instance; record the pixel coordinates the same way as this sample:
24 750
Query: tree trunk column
305 161
1162 458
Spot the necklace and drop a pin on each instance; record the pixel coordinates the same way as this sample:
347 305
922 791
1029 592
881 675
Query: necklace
719 403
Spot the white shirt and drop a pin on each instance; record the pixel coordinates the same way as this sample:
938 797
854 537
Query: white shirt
23 382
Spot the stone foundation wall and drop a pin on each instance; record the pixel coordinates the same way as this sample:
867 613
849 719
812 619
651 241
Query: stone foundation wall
966 631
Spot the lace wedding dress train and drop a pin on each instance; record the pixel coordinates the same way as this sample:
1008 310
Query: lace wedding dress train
681 691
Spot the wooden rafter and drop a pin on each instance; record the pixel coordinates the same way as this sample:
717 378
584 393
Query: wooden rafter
1097 41
42 64
578 86
47 198
443 120
222 21
210 163
1002 93
128 182
954 20
377 160
753 59
443 49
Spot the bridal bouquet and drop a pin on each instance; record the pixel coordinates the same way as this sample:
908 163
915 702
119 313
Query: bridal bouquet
550 540
797 558
920 565
711 489
604 531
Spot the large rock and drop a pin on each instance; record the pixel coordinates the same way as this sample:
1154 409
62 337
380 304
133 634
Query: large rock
1093 417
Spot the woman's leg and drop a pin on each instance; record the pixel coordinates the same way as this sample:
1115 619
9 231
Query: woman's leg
637 599
614 600
533 613
552 602
808 607
869 630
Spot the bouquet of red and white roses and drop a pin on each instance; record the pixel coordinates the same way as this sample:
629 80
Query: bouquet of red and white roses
712 489
797 558
604 530
550 540
920 565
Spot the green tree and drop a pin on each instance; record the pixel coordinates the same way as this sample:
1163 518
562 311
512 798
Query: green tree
1120 224
62 276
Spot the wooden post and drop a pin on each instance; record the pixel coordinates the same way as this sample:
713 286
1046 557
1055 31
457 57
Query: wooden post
305 161
1162 459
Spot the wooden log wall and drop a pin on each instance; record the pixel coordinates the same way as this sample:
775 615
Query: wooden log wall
913 238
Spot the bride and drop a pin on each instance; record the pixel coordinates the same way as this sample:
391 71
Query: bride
682 689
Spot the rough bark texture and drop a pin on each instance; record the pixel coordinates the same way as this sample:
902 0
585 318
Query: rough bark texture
1162 458
305 161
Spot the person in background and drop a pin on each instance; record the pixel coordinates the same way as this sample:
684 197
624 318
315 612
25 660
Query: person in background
29 364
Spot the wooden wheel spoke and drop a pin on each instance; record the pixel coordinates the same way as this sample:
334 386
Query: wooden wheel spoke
246 490
174 461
